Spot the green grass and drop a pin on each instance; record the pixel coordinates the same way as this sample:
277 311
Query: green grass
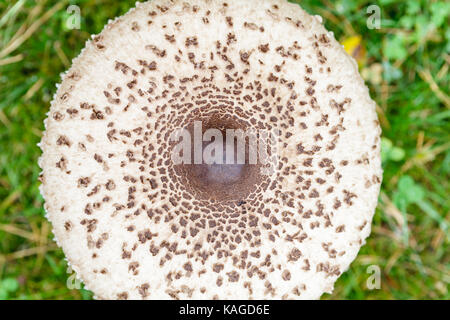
405 64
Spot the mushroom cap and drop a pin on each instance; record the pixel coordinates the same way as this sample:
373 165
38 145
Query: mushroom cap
134 225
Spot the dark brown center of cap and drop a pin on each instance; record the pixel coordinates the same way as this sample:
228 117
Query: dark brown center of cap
222 180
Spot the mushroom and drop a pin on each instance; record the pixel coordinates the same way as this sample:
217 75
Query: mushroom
133 224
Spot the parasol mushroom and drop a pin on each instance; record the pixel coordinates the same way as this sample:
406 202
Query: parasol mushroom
135 225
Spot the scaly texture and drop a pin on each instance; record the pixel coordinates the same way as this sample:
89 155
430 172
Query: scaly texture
133 225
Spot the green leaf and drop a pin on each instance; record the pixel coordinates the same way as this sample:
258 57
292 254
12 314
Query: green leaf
9 284
389 152
407 22
409 190
440 12
397 154
422 27
346 6
413 7
3 294
386 146
394 48
390 73
400 201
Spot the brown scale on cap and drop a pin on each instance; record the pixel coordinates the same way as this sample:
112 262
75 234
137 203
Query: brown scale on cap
169 229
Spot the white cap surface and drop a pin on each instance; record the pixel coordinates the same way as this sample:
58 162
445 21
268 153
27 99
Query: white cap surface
133 226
